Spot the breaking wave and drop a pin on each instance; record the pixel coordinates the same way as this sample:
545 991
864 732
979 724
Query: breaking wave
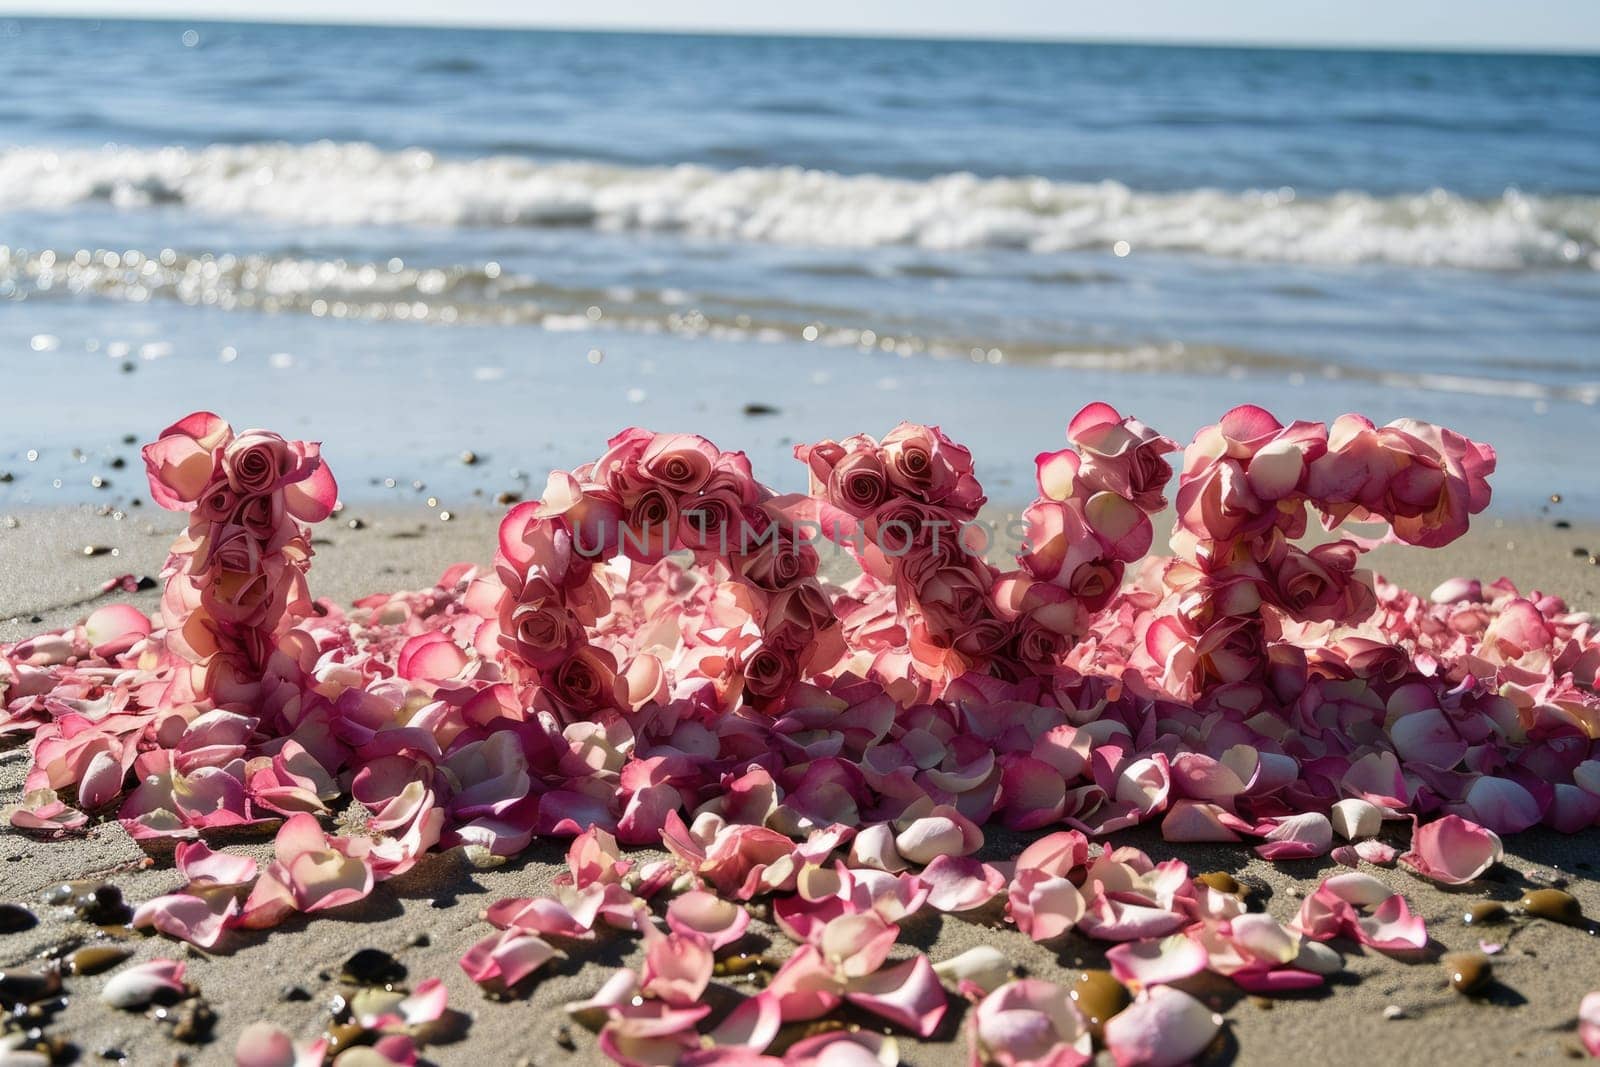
358 184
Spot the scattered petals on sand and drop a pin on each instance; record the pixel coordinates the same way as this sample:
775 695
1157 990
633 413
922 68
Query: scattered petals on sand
634 670
1161 1028
1029 1021
1589 1023
1452 850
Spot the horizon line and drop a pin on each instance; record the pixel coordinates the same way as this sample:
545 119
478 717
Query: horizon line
865 34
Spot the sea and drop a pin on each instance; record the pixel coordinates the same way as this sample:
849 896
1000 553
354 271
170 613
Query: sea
417 243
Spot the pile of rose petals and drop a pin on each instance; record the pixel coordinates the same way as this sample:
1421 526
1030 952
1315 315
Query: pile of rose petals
832 754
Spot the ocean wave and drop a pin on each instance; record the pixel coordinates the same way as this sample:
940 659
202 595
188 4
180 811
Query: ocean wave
358 184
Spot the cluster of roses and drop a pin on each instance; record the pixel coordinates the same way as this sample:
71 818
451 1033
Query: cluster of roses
769 621
1239 588
854 799
235 581
907 506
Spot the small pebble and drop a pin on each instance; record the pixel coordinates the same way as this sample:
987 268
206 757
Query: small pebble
1486 913
293 993
92 959
419 940
96 550
1222 882
1394 1011
1553 904
372 966
760 409
24 985
1468 972
15 917
469 457
192 1021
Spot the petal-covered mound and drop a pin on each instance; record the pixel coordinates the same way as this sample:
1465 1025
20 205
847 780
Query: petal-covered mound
654 660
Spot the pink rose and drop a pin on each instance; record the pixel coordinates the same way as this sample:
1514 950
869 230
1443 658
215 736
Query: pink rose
858 483
257 462
802 608
226 546
181 462
1120 455
679 461
1322 585
541 633
266 519
587 681
1040 646
954 597
711 520
217 503
651 527
778 566
925 464
768 671
1232 649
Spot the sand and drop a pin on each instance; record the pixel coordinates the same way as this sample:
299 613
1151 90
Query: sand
1544 969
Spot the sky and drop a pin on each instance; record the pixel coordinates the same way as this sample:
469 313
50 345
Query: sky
1562 25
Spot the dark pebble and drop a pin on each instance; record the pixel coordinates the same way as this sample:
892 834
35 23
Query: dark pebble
507 498
1562 524
1486 913
420 940
7 476
293 992
24 985
372 966
1468 972
1552 904
102 905
192 1021
92 959
14 917
760 409
117 463
96 550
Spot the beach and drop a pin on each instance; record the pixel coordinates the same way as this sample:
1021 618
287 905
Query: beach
1540 974
461 260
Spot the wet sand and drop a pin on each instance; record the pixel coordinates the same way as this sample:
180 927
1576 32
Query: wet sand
1544 969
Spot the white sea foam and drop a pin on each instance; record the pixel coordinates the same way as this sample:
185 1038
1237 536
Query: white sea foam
344 184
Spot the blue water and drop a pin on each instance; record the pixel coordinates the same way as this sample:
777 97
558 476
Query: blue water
1169 226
